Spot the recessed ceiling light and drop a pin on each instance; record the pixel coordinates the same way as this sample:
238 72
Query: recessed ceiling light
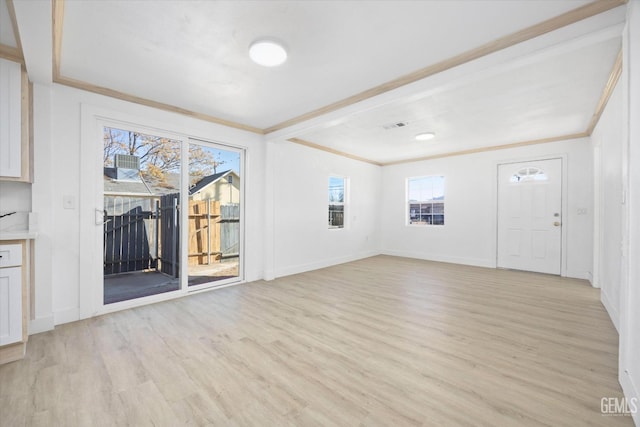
425 136
267 52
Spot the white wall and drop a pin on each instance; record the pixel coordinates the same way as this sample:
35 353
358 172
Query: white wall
57 135
608 143
43 206
469 234
16 196
299 179
629 371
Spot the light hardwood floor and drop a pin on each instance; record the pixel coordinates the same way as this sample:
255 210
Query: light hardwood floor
382 342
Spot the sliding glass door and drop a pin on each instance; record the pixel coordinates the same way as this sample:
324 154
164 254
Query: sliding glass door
214 215
141 219
171 218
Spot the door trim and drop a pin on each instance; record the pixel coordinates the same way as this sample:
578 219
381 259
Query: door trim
565 209
91 292
92 120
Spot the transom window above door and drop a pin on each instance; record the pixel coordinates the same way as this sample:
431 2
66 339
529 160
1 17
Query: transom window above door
529 174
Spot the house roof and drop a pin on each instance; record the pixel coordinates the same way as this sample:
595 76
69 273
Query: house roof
208 180
171 184
114 185
140 185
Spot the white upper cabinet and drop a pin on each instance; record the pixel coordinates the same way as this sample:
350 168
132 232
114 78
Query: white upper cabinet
10 119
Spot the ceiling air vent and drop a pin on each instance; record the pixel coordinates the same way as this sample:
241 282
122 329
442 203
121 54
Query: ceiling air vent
395 125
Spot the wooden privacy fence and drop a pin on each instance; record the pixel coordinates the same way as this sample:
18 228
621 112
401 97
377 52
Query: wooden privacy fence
204 232
214 231
143 233
127 241
169 234
230 230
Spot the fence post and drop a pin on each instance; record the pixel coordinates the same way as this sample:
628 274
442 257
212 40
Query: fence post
174 250
157 245
208 231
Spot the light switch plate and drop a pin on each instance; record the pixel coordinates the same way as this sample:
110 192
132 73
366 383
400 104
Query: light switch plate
69 202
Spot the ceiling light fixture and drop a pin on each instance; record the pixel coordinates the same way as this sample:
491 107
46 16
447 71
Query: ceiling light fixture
267 52
425 136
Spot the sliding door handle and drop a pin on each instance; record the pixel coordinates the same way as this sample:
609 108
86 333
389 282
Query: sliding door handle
99 217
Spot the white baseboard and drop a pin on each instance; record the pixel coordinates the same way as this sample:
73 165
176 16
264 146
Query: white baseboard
592 280
613 313
287 271
269 275
41 324
66 316
584 275
439 258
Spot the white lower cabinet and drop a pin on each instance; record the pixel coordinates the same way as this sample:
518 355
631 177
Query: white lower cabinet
10 305
14 268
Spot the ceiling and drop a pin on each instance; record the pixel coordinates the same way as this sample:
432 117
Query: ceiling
555 95
193 55
7 36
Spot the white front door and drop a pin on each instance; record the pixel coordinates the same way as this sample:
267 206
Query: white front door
530 216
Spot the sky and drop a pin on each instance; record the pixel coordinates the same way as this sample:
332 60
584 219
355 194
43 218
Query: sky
426 188
231 159
336 189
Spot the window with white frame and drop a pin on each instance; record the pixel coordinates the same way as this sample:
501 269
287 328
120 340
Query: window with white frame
425 200
337 197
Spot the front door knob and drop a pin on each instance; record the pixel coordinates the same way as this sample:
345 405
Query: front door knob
557 223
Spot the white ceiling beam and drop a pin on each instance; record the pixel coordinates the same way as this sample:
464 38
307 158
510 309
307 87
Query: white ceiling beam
34 26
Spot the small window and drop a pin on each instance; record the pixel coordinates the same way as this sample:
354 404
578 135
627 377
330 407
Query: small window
230 179
425 200
528 174
337 196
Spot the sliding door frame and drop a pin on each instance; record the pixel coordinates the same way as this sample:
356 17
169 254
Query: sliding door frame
185 218
91 278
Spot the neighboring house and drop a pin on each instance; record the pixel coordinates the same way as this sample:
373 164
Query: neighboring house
223 187
125 188
120 181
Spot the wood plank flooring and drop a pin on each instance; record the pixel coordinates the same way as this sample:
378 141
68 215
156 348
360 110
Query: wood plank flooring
384 341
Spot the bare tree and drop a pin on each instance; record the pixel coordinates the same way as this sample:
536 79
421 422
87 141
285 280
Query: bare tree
158 155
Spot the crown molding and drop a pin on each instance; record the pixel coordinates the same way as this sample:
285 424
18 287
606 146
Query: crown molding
11 53
14 26
332 151
78 84
612 81
492 148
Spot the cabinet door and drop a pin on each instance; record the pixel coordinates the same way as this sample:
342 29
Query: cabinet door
10 119
10 305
